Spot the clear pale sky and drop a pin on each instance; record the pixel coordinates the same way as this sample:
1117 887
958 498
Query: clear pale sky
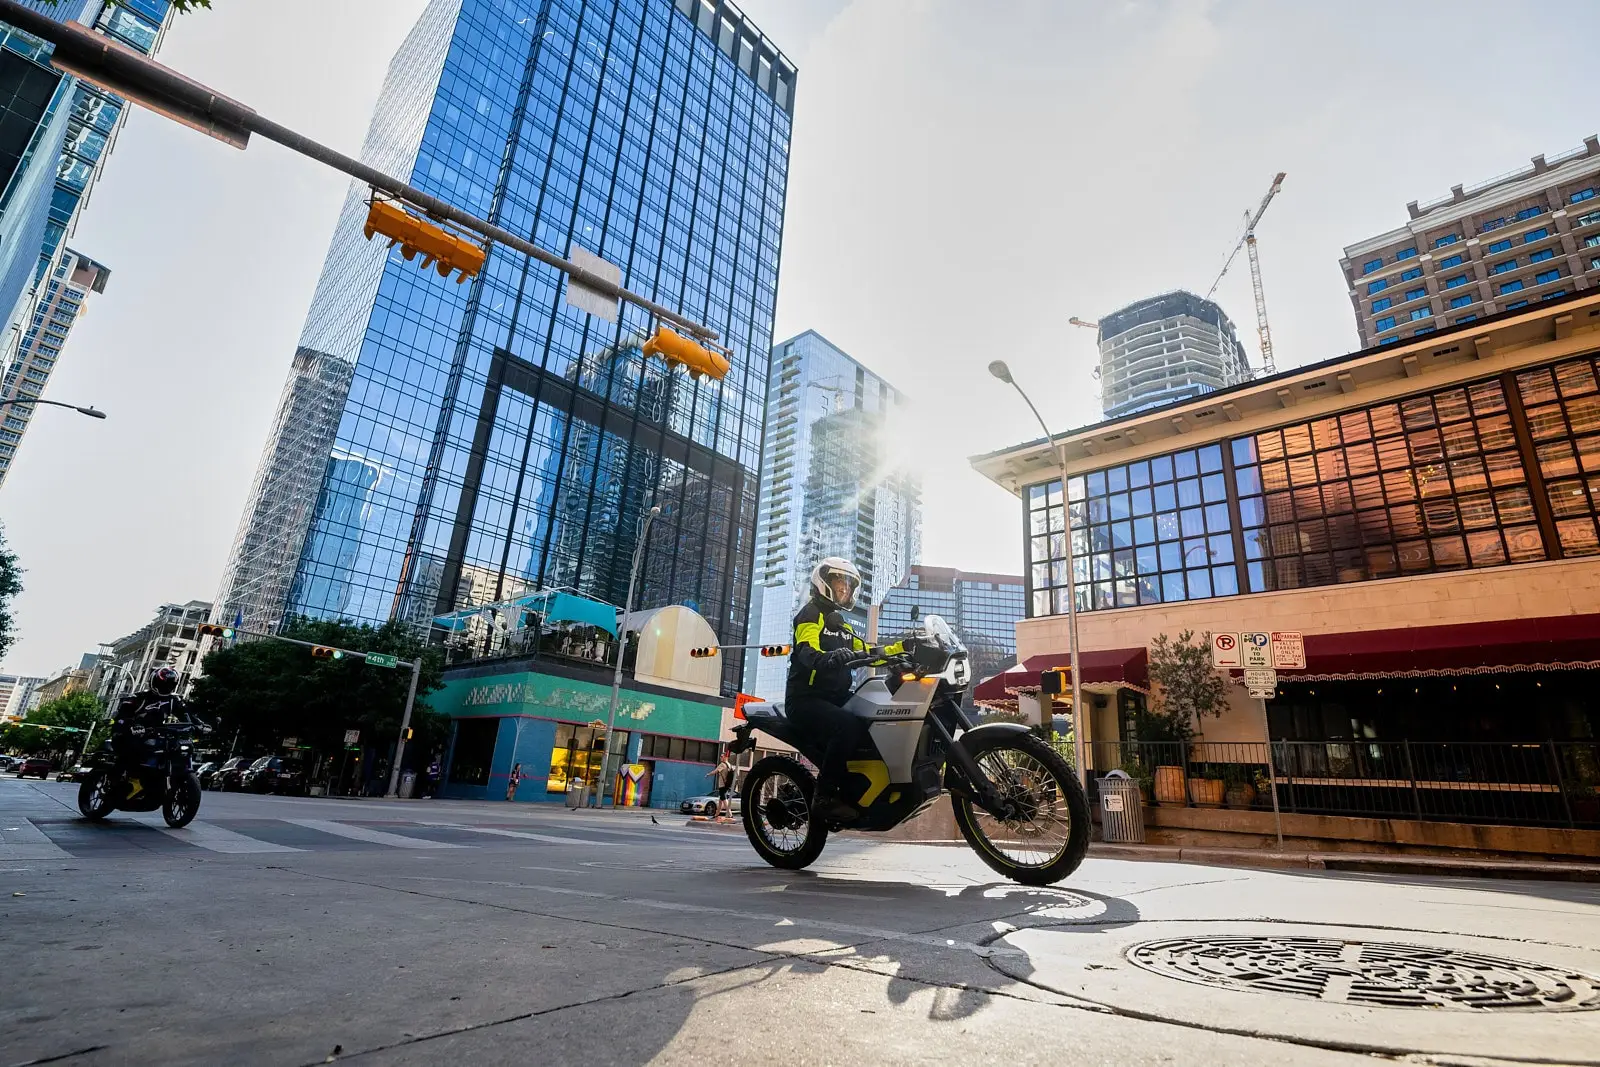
963 179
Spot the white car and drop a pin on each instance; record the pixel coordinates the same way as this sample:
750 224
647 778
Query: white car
707 805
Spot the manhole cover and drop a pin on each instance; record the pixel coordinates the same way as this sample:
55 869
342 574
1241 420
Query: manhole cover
1369 973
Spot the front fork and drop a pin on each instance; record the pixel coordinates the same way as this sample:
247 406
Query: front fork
976 786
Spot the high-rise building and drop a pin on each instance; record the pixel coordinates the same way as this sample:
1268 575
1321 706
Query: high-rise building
170 639
15 691
56 133
432 433
832 484
1175 346
1530 235
58 308
983 609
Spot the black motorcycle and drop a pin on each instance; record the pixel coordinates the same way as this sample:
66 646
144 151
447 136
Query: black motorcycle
1017 802
163 779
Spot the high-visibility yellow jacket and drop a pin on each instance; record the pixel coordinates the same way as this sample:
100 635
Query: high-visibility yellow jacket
819 628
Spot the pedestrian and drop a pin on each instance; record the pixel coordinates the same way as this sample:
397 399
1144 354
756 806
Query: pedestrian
430 782
511 786
723 773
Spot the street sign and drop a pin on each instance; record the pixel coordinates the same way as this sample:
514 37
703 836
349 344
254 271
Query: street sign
1225 651
291 742
1262 682
352 737
378 659
600 305
1289 650
1257 650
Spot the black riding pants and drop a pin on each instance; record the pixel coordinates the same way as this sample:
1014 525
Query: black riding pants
836 730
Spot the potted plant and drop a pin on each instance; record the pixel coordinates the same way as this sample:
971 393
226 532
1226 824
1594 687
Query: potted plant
1185 689
1241 790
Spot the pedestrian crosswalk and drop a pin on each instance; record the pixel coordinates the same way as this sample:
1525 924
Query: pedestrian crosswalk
56 837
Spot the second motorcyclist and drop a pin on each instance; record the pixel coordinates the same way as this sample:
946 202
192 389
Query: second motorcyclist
135 730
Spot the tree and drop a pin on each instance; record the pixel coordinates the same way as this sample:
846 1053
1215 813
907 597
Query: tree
76 711
263 691
10 586
182 7
1186 688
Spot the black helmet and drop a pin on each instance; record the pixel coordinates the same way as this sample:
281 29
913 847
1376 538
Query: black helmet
164 680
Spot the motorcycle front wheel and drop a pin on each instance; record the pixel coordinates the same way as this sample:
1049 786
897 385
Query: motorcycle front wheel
95 795
1047 839
182 803
775 805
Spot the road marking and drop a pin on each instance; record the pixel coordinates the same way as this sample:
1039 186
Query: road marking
523 834
361 833
213 838
21 840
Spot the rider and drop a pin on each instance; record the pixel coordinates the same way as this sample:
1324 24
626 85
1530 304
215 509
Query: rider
820 680
135 729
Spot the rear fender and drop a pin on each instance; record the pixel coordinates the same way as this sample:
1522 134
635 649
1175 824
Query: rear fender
990 729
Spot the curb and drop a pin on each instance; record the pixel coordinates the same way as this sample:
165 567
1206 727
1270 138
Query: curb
1370 863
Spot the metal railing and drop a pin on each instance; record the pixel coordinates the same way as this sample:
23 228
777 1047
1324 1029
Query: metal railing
1528 783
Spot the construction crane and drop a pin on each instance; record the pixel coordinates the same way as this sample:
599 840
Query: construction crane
1251 219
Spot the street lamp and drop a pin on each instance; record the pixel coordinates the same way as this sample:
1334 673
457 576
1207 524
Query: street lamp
1001 371
92 412
622 645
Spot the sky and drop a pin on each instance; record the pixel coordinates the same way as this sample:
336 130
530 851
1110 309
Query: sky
963 179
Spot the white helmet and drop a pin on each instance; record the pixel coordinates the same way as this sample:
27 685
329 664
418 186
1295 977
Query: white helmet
834 567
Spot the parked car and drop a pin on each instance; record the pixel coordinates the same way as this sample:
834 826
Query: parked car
707 805
7 762
72 774
34 766
227 776
275 774
203 772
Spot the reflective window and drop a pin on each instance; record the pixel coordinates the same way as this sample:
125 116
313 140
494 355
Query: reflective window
1563 407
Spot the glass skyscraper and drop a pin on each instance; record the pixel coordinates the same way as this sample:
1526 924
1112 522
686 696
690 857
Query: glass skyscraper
442 446
833 484
983 609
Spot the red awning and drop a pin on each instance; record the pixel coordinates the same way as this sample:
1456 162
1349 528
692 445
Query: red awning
1110 666
1462 648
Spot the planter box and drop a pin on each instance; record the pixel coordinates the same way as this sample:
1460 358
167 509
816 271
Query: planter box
1206 792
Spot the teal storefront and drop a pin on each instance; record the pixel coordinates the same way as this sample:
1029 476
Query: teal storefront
551 726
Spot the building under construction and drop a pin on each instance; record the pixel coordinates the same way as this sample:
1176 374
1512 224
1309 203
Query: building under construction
1175 346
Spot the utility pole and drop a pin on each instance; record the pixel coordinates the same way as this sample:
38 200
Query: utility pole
622 646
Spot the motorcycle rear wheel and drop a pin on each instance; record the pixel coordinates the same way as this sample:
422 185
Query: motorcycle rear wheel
182 803
775 805
1048 844
95 797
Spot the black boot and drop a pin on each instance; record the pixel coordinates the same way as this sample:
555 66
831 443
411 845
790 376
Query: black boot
830 805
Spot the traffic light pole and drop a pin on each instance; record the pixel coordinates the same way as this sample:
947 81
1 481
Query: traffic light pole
116 68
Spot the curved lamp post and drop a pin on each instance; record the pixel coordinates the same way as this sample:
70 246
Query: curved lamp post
93 413
1001 371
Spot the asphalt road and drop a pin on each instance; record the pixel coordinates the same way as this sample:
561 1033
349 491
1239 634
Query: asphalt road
307 931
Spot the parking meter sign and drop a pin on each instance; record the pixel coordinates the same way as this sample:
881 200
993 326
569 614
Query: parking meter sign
1257 650
1225 651
352 737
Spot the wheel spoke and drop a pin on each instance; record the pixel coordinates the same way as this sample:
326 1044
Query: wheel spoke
781 789
1043 828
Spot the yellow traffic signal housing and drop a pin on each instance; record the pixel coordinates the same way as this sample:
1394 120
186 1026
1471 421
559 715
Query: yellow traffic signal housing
677 349
774 650
324 652
702 653
211 629
1057 681
440 249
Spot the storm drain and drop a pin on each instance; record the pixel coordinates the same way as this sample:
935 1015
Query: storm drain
1381 974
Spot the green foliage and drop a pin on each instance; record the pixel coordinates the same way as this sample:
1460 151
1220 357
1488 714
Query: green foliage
77 710
263 691
1186 690
10 586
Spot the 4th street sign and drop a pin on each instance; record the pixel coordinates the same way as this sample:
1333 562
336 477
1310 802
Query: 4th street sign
379 659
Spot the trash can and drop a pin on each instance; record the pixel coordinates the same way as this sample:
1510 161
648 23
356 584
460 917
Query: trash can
408 784
575 789
1121 809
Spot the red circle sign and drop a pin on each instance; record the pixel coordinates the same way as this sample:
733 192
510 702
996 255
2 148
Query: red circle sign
1225 642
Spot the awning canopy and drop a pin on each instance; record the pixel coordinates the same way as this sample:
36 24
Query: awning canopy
1554 642
1108 667
554 606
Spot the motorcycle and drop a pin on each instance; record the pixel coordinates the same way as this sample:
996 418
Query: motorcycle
1016 801
164 780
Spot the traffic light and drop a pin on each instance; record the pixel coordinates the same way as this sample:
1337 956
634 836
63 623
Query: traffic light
324 652
409 732
441 249
211 629
703 653
774 650
677 349
1055 681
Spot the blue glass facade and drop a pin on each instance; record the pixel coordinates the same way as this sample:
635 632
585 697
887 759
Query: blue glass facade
515 440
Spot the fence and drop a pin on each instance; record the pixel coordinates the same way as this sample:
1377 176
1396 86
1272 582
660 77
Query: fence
1532 783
